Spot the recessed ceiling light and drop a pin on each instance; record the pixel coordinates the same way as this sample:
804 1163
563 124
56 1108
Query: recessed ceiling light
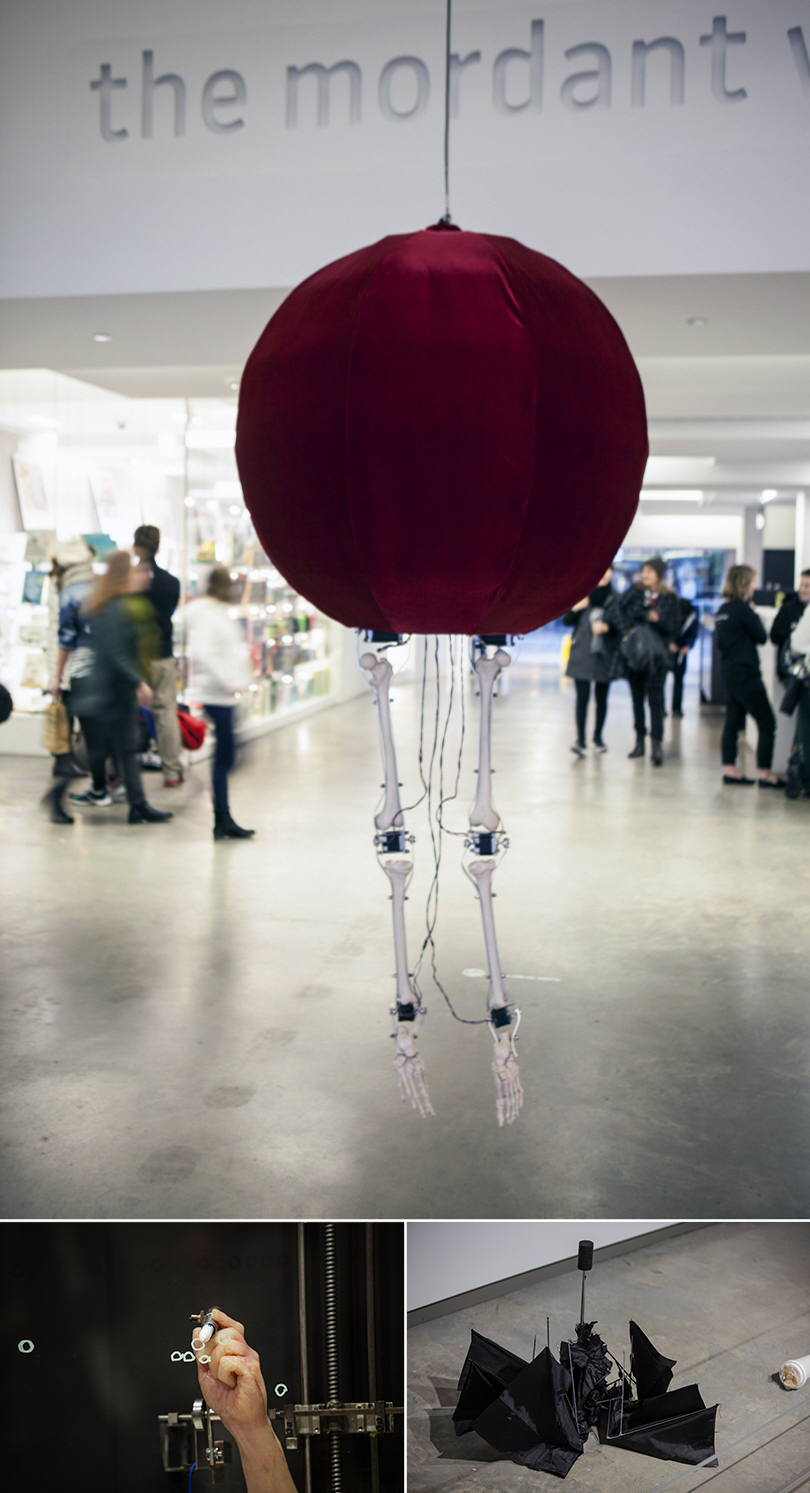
102 337
697 321
672 495
233 383
768 493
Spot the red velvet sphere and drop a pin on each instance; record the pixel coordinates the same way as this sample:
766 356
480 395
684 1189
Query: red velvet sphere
444 432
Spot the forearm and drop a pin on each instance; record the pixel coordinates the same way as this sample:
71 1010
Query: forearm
263 1463
62 656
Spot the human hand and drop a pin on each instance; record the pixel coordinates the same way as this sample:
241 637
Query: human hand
581 605
684 652
143 694
232 1382
653 616
673 647
599 627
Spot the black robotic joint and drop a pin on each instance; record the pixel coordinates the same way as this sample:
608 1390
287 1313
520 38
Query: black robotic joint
371 636
585 1255
391 841
406 1012
484 843
500 1016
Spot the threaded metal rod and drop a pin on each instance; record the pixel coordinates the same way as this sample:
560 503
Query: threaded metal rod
331 1347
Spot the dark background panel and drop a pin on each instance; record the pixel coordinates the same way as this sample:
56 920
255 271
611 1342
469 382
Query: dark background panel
106 1305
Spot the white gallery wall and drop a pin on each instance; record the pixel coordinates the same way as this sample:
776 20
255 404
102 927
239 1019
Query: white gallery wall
181 144
446 1259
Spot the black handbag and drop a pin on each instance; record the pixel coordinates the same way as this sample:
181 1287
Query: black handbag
644 650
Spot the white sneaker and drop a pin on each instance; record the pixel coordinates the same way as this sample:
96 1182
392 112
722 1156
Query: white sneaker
579 749
599 746
119 794
91 799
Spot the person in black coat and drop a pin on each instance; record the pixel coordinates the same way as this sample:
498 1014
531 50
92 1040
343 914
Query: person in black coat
790 612
737 631
679 648
650 601
593 648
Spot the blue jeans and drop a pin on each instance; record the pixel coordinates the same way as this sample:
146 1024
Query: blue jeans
222 717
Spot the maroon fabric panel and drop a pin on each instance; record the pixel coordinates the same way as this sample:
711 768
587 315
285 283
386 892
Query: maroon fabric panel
291 439
444 432
440 431
590 444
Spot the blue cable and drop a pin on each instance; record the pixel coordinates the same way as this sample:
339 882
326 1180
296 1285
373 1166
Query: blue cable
190 1475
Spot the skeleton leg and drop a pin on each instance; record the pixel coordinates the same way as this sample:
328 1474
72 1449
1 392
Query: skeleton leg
485 845
390 841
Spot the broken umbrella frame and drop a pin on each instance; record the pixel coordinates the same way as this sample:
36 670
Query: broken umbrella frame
541 1412
486 843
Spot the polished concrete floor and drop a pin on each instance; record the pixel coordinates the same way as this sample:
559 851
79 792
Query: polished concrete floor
192 1029
729 1302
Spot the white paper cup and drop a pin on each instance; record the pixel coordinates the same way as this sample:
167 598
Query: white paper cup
795 1372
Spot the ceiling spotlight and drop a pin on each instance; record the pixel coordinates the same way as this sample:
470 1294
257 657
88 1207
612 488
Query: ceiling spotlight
102 337
233 385
768 493
697 321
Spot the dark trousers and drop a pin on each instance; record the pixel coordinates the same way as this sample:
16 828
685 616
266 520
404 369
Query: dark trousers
648 687
222 716
115 736
600 692
747 696
679 669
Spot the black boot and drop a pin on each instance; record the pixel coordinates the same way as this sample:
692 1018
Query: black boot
226 829
53 803
145 814
638 749
657 754
66 766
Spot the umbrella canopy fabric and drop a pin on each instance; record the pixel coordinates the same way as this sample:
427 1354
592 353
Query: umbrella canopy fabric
675 1427
528 1415
651 1370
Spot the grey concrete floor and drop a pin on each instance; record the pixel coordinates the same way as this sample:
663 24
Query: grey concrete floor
194 1030
729 1301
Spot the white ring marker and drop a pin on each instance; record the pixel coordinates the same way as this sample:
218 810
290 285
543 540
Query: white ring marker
177 1358
26 1346
189 1358
205 1358
281 1390
223 1337
197 1342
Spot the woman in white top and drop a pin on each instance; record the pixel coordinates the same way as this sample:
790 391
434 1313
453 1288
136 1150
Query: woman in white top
218 673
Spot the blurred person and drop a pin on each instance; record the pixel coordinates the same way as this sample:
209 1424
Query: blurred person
591 660
798 778
122 648
787 618
679 648
164 593
648 600
68 652
738 631
233 1388
218 673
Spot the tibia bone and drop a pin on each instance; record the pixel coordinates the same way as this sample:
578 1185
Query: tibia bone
482 871
410 1071
483 811
380 671
399 874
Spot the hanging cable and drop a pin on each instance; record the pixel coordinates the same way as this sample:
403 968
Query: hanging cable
447 218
